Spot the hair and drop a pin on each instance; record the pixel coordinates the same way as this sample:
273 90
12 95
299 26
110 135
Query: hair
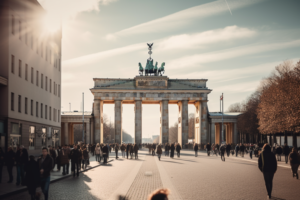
45 148
294 150
160 194
267 147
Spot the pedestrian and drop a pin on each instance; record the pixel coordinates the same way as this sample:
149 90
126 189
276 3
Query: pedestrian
153 149
85 157
53 155
58 157
208 149
136 149
32 177
172 148
278 152
196 149
242 149
160 194
228 148
10 160
123 150
116 147
286 152
237 148
251 150
222 151
93 149
178 148
127 150
1 163
159 151
75 155
268 165
105 153
45 163
97 152
131 151
294 162
64 160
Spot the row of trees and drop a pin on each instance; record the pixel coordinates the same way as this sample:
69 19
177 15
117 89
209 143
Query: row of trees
275 106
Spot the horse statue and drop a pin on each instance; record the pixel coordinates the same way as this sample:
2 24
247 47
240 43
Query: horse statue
161 70
141 69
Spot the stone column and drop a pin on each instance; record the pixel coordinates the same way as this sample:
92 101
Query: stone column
220 133
197 123
118 121
203 122
92 131
138 122
235 134
164 116
66 133
183 123
87 132
213 133
98 117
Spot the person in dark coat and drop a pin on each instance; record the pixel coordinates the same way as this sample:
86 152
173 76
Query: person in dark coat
242 149
75 156
153 149
123 149
294 162
53 155
131 151
45 163
127 150
23 163
10 160
167 148
136 149
2 156
286 152
105 153
178 148
159 151
208 149
32 176
196 149
116 150
222 151
268 165
237 148
278 152
64 159
172 148
228 148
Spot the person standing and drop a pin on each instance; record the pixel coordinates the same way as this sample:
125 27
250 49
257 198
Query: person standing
1 163
32 176
75 155
131 151
208 149
286 152
196 149
116 147
64 159
153 149
178 148
237 148
242 149
228 148
159 151
278 152
127 150
85 157
58 157
251 150
268 165
222 152
45 163
123 150
136 149
294 162
53 155
97 152
172 150
10 160
105 153
18 164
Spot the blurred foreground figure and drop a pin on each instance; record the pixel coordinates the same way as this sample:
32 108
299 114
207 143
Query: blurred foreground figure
160 194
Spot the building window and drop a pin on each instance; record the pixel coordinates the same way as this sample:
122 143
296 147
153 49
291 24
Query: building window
37 45
42 80
31 137
54 114
31 107
20 68
42 49
19 103
37 109
12 64
58 90
13 25
41 110
37 78
26 72
50 89
54 88
32 75
26 105
44 136
50 113
46 111
46 83
46 53
58 64
58 116
20 30
12 101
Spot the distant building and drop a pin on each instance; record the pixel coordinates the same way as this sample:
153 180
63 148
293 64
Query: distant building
30 77
147 140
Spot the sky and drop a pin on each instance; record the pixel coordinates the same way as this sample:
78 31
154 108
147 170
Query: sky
233 43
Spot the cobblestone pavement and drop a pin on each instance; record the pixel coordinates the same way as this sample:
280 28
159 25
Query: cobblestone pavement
188 177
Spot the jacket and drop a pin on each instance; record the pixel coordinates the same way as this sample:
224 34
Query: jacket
64 157
196 148
10 158
97 150
286 150
75 155
136 148
267 162
294 158
159 150
46 165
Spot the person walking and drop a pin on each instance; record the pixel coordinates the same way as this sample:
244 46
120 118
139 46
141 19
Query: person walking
178 148
97 152
196 149
10 160
53 155
105 153
286 152
153 149
237 148
123 150
75 155
294 162
131 151
278 152
64 160
242 149
268 165
172 148
116 147
2 156
222 152
208 149
228 148
159 151
58 157
32 176
45 163
136 149
127 150
85 157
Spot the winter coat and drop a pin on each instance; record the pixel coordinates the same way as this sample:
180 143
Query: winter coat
228 147
267 162
286 150
136 148
10 158
85 154
32 176
75 156
196 148
105 150
18 157
242 148
116 148
64 157
46 165
208 147
178 148
2 157
159 150
172 147
123 148
237 148
131 149
294 158
279 150
53 154
97 150
24 157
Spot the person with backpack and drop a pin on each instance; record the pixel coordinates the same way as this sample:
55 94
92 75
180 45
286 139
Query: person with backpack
267 164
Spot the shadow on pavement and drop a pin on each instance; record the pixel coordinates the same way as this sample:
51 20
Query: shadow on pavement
276 198
170 161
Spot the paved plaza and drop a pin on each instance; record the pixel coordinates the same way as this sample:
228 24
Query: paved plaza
188 177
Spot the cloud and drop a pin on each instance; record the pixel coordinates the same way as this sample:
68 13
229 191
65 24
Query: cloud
182 18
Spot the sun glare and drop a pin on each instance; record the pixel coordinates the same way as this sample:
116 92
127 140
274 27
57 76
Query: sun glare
52 22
